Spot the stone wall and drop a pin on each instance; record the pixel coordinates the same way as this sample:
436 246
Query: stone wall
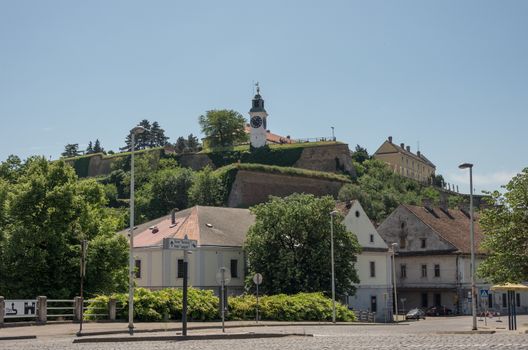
329 158
251 187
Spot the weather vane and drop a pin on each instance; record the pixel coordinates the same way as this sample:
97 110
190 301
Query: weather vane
258 87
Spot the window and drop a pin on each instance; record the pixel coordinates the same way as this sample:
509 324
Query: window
504 298
403 271
422 242
402 242
180 268
138 268
372 269
357 213
373 304
518 299
371 238
424 300
234 268
438 299
437 270
424 270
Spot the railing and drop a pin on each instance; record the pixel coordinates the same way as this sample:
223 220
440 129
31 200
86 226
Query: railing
315 139
63 308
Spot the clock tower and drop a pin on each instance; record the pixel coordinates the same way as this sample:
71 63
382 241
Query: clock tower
257 121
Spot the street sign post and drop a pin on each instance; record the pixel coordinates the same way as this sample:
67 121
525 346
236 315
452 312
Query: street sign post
223 277
257 279
186 245
84 251
484 293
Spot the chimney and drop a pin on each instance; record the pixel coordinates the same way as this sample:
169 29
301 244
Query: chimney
443 201
408 148
457 188
402 145
418 154
348 204
390 139
173 216
426 202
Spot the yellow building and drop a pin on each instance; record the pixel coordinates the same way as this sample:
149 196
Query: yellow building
402 161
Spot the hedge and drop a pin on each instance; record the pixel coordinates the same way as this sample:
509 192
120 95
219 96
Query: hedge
166 304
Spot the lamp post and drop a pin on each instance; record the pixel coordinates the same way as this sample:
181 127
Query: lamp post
394 245
332 214
472 242
135 131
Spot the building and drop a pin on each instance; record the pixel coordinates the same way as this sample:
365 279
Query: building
258 121
402 161
374 292
220 233
272 138
433 259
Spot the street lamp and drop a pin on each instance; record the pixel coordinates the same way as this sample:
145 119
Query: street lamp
135 131
394 245
472 242
332 214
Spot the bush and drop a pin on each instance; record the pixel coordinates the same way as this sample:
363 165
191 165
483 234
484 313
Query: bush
203 306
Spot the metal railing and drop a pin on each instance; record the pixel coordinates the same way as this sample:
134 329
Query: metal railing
63 308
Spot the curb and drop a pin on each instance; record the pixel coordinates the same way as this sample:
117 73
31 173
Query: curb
191 337
200 327
19 337
468 332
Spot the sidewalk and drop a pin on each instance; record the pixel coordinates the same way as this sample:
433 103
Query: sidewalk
115 328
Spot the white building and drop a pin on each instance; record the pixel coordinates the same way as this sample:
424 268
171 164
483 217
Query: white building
220 233
373 265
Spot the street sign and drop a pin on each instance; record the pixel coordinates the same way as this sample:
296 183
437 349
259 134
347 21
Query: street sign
181 244
484 293
257 279
223 276
20 308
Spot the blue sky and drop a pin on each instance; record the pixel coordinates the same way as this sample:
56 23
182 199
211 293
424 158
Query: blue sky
451 75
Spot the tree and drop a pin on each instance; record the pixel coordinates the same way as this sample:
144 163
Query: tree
289 244
167 189
207 188
48 212
71 150
157 136
97 147
438 180
193 144
360 155
505 229
180 145
223 128
11 168
89 149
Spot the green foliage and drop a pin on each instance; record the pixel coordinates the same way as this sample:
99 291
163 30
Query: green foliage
505 228
82 166
153 136
380 190
223 128
282 307
71 150
289 244
47 212
360 155
166 304
207 188
273 169
166 189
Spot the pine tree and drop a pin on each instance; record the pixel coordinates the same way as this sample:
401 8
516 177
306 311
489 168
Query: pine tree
97 147
89 149
71 150
157 136
192 143
144 139
181 145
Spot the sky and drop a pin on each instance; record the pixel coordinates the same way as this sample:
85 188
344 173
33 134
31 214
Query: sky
449 76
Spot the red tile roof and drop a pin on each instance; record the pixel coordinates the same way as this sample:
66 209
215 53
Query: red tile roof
452 226
216 226
272 138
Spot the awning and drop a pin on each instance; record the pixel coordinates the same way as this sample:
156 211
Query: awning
510 286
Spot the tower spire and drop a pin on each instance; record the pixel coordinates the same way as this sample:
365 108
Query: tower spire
258 88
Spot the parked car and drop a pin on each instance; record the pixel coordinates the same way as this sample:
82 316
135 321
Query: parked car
439 311
415 314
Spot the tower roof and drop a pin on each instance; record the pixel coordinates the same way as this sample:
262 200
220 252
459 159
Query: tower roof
258 102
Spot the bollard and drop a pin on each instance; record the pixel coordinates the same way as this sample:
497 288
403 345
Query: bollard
77 305
42 307
112 309
2 311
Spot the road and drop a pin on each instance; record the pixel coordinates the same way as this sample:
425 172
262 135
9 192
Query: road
426 334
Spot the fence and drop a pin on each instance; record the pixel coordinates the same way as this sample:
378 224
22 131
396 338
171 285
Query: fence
41 309
365 316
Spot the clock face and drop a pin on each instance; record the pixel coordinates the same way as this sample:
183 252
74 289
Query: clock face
256 122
